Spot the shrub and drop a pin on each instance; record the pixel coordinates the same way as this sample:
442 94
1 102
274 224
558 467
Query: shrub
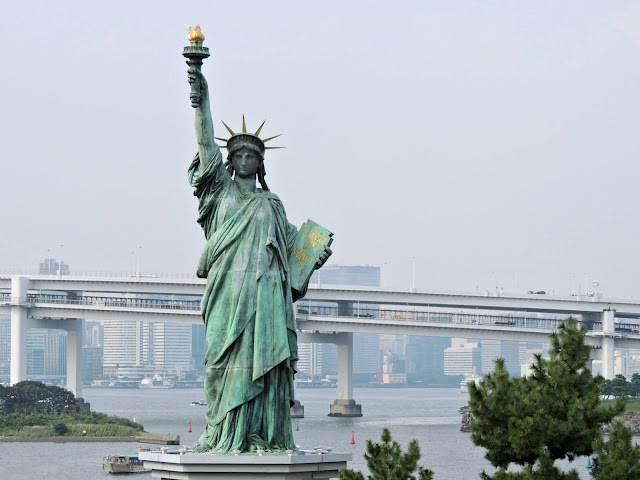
60 429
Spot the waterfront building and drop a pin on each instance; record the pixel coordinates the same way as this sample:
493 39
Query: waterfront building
171 347
329 359
310 359
91 364
55 353
425 355
158 347
126 344
626 365
463 360
198 346
366 353
395 344
93 334
494 349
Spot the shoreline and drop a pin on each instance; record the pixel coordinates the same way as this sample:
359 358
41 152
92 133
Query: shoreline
142 437
66 439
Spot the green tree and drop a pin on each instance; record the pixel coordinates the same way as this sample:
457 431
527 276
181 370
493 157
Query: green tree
618 458
386 461
634 389
36 397
607 389
619 386
555 413
60 429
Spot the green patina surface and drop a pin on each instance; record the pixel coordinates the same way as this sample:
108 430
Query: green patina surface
247 308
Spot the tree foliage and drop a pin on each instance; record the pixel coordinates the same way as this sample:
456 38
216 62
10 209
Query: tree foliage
35 397
28 405
386 461
618 458
555 413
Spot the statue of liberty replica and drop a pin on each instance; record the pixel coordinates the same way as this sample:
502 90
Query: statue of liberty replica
247 307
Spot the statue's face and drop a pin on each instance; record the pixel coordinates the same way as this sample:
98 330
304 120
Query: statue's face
245 162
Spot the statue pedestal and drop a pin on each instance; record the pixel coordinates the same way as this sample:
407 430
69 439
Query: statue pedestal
202 466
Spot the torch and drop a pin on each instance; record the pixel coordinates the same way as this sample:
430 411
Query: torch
195 54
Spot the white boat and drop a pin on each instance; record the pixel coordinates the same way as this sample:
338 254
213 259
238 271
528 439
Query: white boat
472 377
156 382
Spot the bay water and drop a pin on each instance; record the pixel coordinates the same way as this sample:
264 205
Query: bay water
429 415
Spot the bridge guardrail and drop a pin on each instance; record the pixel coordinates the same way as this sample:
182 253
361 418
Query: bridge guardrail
395 315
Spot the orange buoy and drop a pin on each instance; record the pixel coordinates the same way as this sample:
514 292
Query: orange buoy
353 440
189 429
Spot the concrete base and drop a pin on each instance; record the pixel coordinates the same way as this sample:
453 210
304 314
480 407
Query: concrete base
247 466
345 408
297 411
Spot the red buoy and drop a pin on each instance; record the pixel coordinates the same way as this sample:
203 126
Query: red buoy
353 440
189 429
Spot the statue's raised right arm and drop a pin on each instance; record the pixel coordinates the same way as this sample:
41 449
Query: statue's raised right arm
204 124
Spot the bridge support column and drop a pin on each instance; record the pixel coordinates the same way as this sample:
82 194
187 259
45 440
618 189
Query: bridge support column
345 405
608 329
19 327
73 327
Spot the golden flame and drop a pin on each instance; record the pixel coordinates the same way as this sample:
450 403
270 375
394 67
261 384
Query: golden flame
195 34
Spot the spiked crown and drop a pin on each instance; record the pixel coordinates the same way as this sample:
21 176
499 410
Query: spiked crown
242 139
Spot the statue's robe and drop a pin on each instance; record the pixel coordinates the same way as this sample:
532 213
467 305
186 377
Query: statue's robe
247 308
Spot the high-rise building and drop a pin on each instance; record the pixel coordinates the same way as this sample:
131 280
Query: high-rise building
364 276
366 353
162 347
91 364
507 350
425 355
329 358
35 352
462 360
171 347
55 353
126 344
93 334
198 346
51 266
310 359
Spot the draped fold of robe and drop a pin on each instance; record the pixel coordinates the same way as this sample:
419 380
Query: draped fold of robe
247 308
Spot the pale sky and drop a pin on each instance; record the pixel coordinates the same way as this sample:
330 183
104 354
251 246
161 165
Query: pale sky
478 141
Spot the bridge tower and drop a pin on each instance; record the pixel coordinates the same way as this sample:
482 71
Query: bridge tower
344 405
21 323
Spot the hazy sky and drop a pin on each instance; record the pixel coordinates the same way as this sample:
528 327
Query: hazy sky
481 141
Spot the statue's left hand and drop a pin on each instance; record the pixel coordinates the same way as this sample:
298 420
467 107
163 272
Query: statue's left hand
323 256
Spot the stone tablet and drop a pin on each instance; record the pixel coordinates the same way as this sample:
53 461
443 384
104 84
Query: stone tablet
310 241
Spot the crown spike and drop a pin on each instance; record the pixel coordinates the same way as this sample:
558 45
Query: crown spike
259 129
222 139
271 148
227 126
244 125
265 140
